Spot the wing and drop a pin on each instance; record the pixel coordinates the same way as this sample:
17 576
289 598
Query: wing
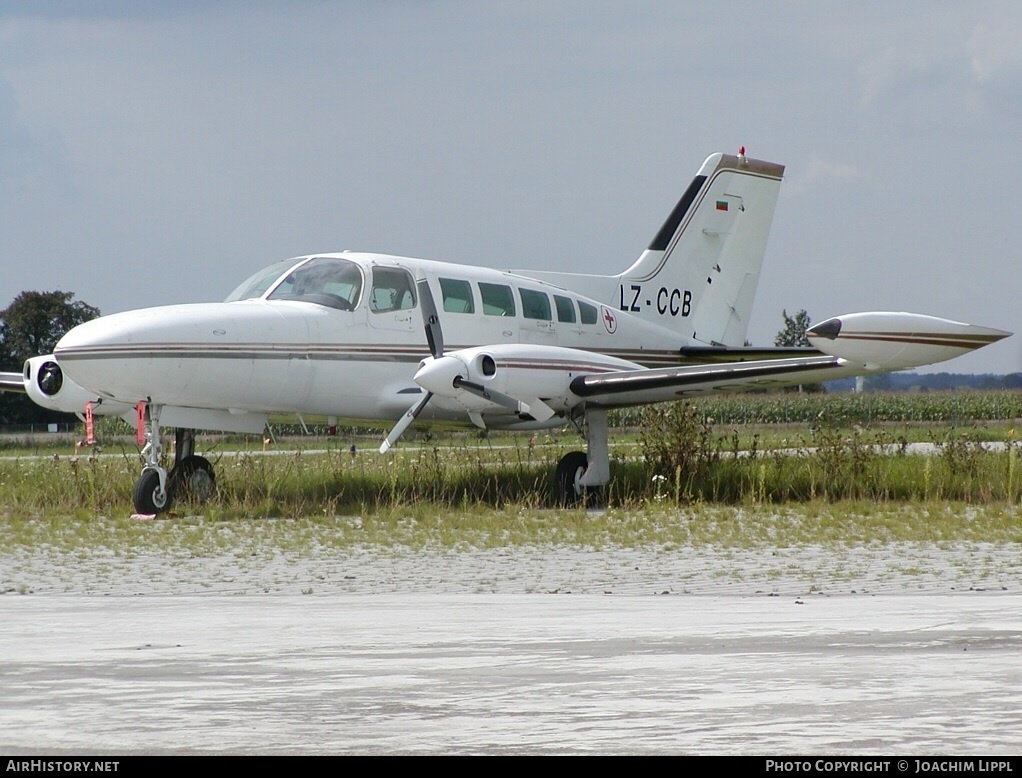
844 346
12 382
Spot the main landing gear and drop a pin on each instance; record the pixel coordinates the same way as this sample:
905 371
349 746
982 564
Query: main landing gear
580 478
191 477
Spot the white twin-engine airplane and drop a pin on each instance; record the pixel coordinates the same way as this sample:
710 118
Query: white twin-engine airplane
341 335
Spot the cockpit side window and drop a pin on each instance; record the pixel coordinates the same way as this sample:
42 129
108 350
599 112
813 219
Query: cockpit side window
329 281
393 290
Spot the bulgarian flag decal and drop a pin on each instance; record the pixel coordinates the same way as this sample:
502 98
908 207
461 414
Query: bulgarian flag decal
722 205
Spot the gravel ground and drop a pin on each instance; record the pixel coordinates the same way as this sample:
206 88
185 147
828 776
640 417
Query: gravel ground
890 567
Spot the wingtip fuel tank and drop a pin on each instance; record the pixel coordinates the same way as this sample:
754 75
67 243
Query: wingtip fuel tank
885 340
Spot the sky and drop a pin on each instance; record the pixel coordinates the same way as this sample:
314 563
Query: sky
156 153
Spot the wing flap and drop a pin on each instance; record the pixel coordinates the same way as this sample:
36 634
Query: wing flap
704 354
636 387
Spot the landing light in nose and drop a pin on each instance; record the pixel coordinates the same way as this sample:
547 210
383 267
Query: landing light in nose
50 378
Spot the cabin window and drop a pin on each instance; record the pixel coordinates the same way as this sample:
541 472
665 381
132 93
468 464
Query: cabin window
335 283
535 305
497 299
457 296
393 290
565 309
587 312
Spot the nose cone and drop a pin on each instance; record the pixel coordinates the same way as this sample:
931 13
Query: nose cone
437 375
140 353
103 331
145 327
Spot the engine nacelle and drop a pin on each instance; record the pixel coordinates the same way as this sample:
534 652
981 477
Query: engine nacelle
49 388
525 372
883 340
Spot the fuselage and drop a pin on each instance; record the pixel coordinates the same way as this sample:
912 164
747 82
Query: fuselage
339 335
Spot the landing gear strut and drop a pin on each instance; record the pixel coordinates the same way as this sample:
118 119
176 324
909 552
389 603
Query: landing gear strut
580 476
191 477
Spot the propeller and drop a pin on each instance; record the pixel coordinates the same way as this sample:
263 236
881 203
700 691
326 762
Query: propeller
441 374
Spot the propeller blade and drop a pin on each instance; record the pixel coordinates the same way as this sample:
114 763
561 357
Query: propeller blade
491 394
431 318
403 422
539 410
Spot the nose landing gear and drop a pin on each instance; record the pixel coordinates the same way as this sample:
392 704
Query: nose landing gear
190 478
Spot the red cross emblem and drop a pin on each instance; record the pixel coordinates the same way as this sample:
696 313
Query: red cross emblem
609 320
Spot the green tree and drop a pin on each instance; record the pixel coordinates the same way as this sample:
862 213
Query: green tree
794 332
31 325
35 321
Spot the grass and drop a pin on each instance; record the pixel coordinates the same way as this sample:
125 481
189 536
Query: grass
734 468
744 487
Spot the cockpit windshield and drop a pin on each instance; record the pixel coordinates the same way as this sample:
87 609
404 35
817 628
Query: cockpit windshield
329 281
255 285
336 283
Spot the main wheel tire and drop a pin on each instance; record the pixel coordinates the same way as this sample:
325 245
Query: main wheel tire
147 496
192 479
570 469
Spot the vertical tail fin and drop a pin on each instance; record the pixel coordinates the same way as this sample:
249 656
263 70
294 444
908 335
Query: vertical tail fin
701 271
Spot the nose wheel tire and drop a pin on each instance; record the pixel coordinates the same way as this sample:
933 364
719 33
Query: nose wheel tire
147 496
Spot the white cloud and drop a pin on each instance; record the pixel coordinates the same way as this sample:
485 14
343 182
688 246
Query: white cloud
820 172
995 52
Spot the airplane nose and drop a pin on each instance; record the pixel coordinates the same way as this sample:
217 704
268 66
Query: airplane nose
437 375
